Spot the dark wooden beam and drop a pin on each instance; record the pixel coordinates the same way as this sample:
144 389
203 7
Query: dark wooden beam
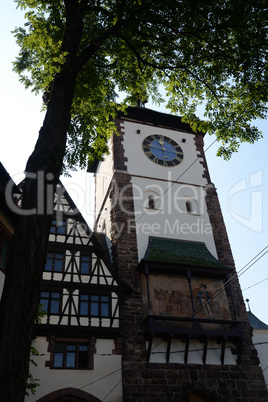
149 349
204 358
223 351
186 351
168 350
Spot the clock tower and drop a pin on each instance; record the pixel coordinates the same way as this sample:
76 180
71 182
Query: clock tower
186 334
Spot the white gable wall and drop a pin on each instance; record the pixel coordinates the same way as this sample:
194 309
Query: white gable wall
98 382
170 186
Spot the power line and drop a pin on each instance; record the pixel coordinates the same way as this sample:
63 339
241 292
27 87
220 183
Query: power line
220 290
144 213
227 284
255 284
255 376
134 363
172 184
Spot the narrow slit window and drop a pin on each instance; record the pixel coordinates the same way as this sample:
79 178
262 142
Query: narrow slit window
188 207
151 203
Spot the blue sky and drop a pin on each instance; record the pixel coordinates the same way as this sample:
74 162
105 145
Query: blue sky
242 183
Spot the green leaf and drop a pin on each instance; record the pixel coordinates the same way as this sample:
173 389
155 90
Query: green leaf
208 54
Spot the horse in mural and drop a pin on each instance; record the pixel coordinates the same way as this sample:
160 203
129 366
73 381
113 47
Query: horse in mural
168 300
176 301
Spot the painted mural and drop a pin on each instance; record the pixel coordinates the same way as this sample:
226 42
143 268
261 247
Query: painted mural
171 296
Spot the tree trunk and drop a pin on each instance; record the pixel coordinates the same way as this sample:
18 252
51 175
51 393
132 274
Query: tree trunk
20 296
26 260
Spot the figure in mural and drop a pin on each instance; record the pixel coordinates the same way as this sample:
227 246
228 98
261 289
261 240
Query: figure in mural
173 296
204 299
168 301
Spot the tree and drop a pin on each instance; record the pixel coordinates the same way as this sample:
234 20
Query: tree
78 53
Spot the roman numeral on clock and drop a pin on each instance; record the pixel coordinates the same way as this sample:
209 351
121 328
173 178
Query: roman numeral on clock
148 153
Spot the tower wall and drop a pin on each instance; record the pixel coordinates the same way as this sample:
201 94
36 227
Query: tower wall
164 379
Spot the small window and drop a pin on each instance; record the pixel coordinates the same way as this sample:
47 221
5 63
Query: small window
50 301
188 207
71 355
85 264
94 305
58 227
151 204
54 262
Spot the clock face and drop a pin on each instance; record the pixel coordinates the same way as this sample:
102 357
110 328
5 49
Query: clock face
162 150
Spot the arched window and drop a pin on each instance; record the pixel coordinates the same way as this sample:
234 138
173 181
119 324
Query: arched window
151 204
188 207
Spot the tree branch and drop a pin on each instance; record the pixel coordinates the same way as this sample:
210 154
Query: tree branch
167 67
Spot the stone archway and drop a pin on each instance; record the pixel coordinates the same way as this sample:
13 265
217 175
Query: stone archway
200 393
198 397
69 395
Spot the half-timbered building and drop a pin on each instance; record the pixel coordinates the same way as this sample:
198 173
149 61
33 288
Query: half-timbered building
79 338
150 309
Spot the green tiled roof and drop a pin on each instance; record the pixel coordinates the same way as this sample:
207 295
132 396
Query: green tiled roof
172 251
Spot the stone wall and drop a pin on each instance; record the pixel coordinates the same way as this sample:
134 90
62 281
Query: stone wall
155 382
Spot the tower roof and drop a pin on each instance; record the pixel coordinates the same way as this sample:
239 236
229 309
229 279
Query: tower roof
254 321
173 251
150 116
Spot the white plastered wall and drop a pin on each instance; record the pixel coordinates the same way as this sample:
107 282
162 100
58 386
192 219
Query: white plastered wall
104 176
139 164
260 340
169 219
195 354
97 382
171 188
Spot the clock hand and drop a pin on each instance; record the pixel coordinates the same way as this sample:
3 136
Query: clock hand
163 149
171 151
153 146
161 143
